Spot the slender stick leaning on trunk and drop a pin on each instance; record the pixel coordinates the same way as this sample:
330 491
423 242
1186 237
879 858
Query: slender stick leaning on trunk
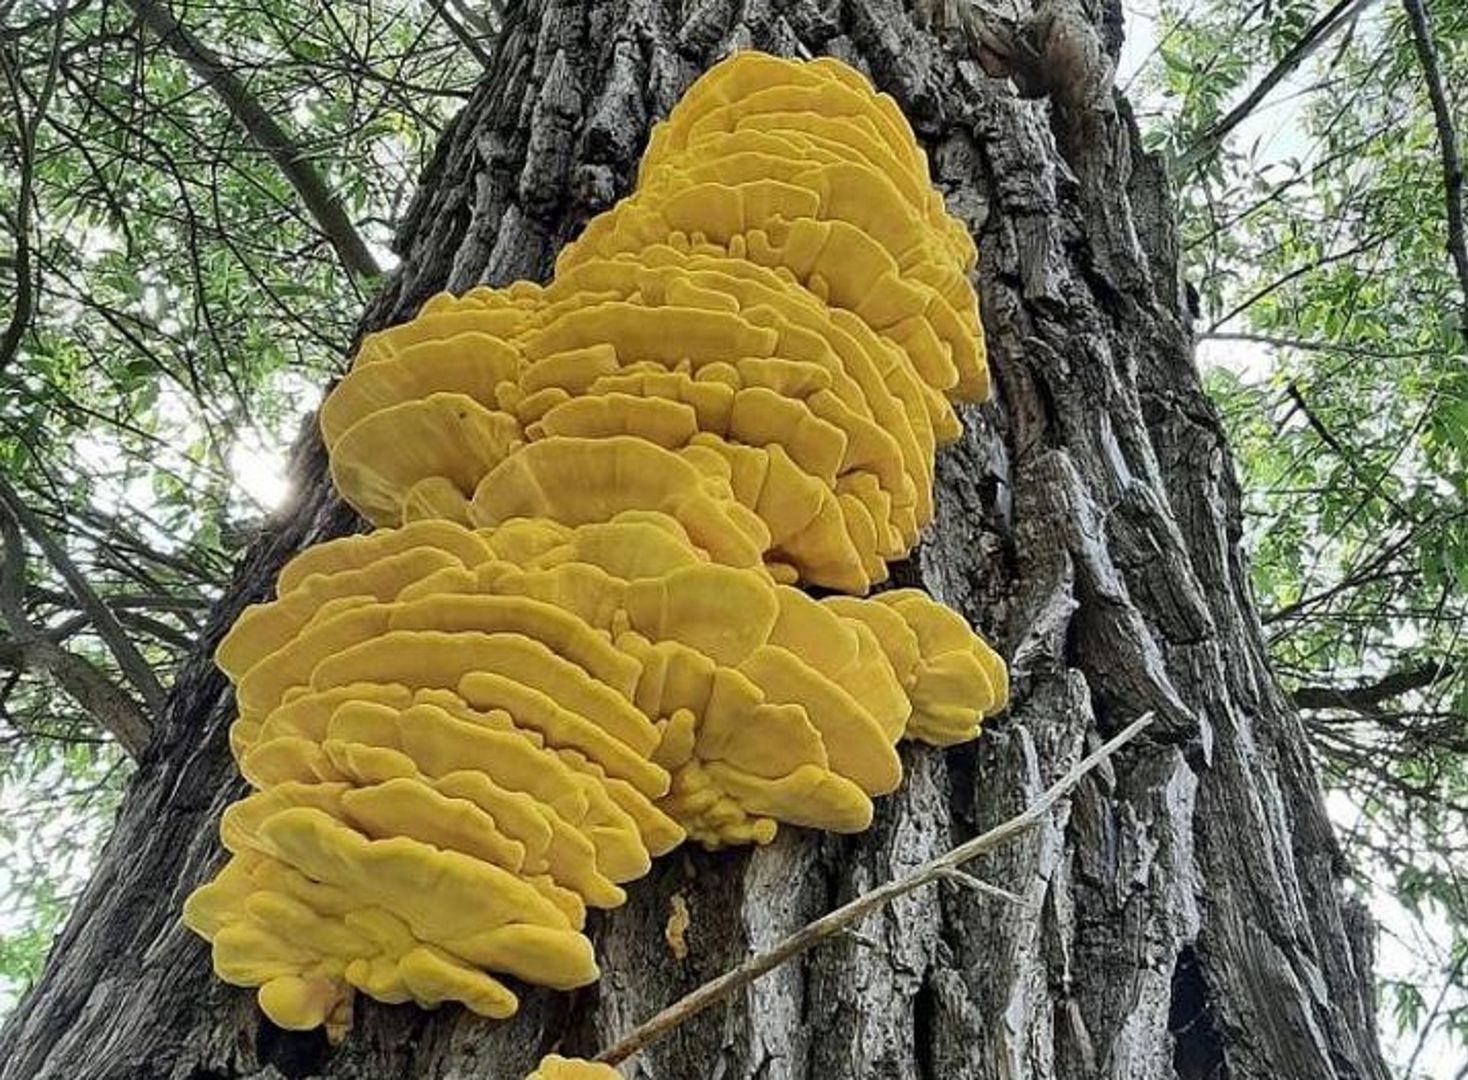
827 926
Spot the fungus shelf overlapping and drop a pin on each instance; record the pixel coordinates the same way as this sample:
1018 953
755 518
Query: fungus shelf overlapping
577 636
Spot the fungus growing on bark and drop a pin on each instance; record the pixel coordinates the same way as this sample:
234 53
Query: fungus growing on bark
768 331
555 1067
578 638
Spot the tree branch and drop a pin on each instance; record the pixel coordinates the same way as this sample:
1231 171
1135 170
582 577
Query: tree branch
485 28
1377 568
1449 985
29 649
1300 271
134 668
460 32
829 925
323 204
1347 457
1302 345
1207 144
1447 140
85 684
1364 698
25 287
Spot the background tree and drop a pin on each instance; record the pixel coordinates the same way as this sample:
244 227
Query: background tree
1183 917
1324 239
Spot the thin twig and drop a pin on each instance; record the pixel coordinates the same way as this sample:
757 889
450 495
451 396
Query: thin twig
1207 144
1447 140
827 926
293 163
1381 352
978 885
1300 271
1347 457
1449 984
134 668
29 649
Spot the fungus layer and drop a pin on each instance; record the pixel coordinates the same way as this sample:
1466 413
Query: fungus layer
764 340
577 638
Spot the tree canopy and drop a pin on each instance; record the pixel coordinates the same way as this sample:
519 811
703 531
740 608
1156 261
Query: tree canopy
196 199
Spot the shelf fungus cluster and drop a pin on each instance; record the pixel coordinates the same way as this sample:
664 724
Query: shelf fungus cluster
577 636
764 340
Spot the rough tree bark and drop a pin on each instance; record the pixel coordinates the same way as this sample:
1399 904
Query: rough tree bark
1184 912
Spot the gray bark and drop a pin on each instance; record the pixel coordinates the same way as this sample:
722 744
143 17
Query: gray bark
1185 914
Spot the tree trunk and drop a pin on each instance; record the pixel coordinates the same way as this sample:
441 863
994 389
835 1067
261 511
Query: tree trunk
1183 913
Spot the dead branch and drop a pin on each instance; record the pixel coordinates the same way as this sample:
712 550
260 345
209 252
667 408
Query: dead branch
844 917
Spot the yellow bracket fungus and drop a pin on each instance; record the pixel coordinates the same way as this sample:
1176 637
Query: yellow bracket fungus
764 340
555 1067
578 637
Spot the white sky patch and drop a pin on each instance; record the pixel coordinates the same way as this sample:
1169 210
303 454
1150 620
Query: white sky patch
1139 45
1251 361
260 472
303 111
259 462
386 257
